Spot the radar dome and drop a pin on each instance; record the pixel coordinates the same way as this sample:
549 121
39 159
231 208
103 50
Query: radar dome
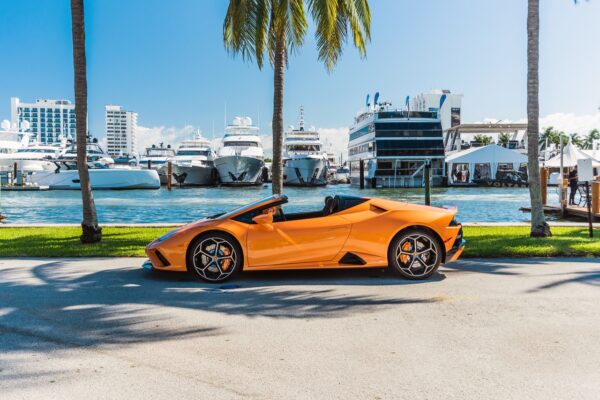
237 121
247 121
25 125
5 124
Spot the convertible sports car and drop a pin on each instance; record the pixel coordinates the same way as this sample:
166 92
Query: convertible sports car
348 232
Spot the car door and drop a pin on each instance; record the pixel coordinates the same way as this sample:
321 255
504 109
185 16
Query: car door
298 241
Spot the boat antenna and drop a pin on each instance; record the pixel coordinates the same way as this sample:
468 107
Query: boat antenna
301 118
213 129
258 116
226 113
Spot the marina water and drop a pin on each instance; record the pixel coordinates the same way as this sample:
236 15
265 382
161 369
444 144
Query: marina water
189 204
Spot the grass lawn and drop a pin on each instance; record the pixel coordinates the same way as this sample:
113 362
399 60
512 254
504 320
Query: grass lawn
492 242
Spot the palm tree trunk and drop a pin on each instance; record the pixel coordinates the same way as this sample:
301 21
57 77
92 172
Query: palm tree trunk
279 70
539 227
91 232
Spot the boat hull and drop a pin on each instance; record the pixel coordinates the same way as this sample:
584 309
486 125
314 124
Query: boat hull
239 170
193 175
305 172
99 178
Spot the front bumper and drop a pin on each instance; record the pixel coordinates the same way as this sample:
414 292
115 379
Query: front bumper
147 265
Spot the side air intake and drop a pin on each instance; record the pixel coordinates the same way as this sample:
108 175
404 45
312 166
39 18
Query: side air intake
351 259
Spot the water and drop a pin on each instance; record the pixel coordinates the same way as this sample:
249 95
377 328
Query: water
185 205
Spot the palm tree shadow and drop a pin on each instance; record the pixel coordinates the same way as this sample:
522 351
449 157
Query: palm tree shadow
60 306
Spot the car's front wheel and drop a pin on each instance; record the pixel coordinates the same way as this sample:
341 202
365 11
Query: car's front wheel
214 257
415 254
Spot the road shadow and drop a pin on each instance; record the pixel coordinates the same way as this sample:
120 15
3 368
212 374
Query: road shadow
55 304
509 267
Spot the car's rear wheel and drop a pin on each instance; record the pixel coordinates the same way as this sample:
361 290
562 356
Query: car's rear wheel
214 257
415 254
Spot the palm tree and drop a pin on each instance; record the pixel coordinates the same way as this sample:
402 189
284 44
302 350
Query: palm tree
588 142
539 227
91 232
483 139
577 140
277 28
503 138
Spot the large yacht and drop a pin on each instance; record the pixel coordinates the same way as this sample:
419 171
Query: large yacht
193 164
395 145
29 156
103 174
34 157
156 158
240 159
304 161
94 152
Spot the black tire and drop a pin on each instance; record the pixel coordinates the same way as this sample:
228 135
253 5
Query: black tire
203 265
415 254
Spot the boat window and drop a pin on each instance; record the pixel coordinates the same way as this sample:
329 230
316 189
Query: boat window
241 144
192 153
303 147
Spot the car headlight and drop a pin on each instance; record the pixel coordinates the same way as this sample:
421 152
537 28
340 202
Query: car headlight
168 235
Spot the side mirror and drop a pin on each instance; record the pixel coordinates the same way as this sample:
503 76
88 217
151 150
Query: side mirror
263 219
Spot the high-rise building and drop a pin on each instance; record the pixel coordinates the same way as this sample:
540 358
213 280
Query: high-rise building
121 127
48 119
450 112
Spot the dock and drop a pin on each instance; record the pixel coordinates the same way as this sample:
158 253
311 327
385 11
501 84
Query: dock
17 188
572 211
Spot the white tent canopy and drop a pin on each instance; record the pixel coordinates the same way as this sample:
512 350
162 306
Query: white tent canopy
570 156
486 159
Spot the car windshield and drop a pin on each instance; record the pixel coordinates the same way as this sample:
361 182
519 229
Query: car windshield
251 206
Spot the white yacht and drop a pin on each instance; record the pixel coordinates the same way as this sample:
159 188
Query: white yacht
156 158
103 175
304 161
193 164
240 159
337 173
34 157
66 176
95 153
27 155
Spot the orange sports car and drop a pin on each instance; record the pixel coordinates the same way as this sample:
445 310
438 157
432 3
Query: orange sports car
348 232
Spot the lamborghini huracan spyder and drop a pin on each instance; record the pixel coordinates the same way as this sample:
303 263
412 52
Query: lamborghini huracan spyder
348 232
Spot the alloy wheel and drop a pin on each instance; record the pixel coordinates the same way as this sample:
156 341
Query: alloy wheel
417 255
214 259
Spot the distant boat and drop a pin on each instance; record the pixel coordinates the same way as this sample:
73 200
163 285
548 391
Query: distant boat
304 161
240 160
66 177
102 170
157 157
193 164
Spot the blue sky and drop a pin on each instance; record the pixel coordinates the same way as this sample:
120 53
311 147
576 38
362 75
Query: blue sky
165 60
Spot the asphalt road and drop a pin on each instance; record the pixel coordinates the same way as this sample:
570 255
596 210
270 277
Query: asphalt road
105 329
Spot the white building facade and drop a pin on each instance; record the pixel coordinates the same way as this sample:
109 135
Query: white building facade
451 107
121 130
48 119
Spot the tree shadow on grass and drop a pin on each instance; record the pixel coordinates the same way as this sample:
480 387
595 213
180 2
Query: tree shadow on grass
56 304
